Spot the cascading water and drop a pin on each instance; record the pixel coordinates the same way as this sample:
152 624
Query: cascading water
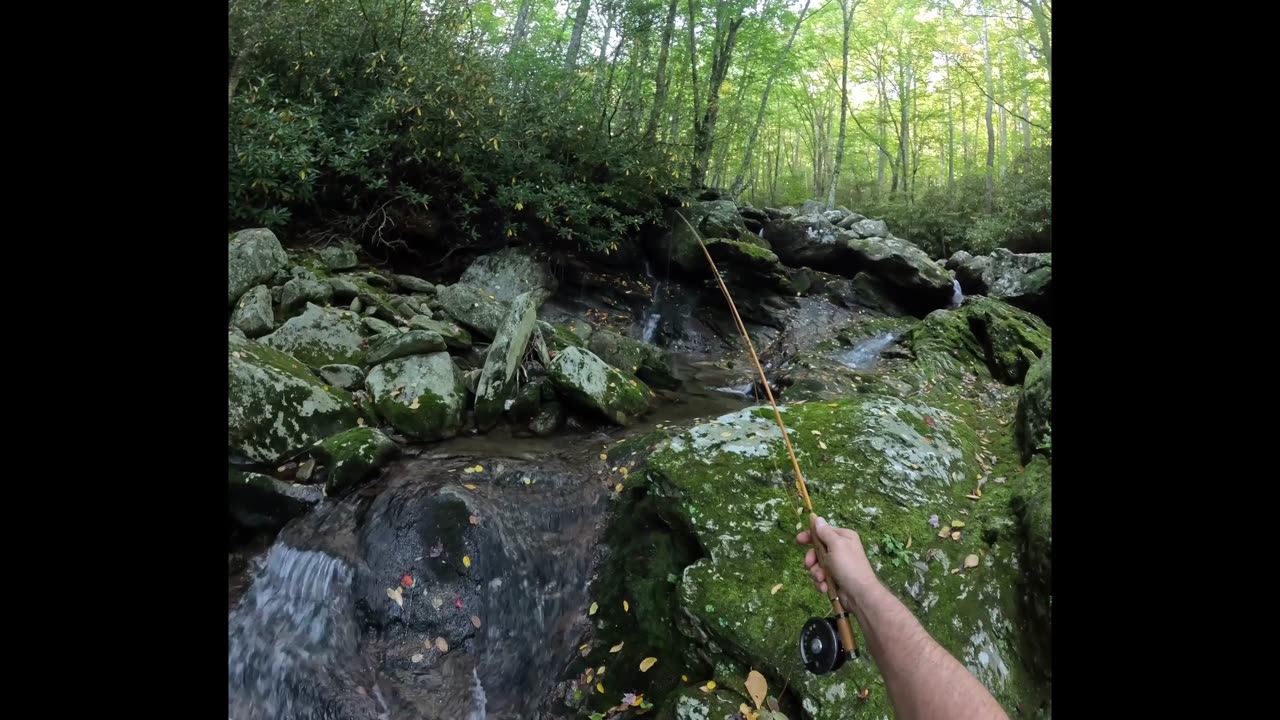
957 296
866 354
651 315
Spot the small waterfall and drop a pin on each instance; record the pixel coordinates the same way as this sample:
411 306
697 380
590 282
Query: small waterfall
866 354
652 317
957 296
746 390
477 694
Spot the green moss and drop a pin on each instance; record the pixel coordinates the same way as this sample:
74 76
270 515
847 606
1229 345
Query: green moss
428 404
594 384
353 455
985 336
1034 421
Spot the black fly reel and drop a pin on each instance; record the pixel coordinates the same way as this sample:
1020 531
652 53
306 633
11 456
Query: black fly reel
820 646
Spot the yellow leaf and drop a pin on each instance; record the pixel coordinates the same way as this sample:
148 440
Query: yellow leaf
618 647
822 445
758 687
603 456
396 595
415 405
637 702
360 422
466 561
624 471
647 663
469 486
957 523
442 645
775 589
617 488
711 685
684 678
594 608
626 606
600 688
519 206
600 671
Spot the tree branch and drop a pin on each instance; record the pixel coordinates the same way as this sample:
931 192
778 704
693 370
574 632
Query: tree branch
1002 105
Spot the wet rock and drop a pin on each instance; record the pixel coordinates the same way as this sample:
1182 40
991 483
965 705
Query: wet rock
473 308
527 400
1033 503
261 502
809 240
548 420
253 314
276 405
253 258
651 364
1025 281
347 377
747 265
592 383
720 219
404 344
413 284
455 336
560 336
508 273
339 257
298 292
321 336
352 456
908 269
420 396
497 381
1034 419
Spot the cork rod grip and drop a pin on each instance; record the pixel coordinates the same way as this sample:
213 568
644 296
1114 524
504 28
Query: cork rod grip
833 592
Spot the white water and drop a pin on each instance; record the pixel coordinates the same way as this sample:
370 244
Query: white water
866 354
477 694
957 296
651 316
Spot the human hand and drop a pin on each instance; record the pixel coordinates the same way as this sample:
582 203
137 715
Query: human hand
846 561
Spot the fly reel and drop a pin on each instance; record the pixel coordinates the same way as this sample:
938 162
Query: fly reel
820 646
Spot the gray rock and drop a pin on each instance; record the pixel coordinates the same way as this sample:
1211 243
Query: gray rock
508 273
455 336
253 314
404 344
833 216
421 396
262 502
339 257
906 267
321 336
253 257
1023 280
379 327
720 219
812 207
347 377
527 400
276 405
343 289
300 291
496 386
413 284
849 220
1034 417
597 386
960 257
473 308
648 362
356 306
870 228
549 419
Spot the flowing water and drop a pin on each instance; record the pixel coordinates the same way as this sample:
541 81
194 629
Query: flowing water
865 355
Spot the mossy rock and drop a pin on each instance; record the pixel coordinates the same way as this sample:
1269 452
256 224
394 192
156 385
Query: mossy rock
548 420
347 377
276 405
869 466
352 456
509 273
398 345
648 362
421 396
253 314
455 336
339 257
1034 421
561 336
300 291
584 378
473 308
321 336
1034 505
496 387
260 501
987 335
253 258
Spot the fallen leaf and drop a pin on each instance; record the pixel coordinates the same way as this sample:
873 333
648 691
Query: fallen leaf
469 486
396 595
466 561
600 688
929 421
474 520
711 685
822 445
775 589
617 488
773 705
594 608
442 645
473 469
746 713
908 542
624 471
971 561
758 687
588 676
957 523
684 678
584 650
944 532
604 456
998 481
647 663
407 581
360 421
933 520
974 497
415 404
864 694
475 621
417 658
618 647
457 602
726 434
600 671
437 602
955 535
626 606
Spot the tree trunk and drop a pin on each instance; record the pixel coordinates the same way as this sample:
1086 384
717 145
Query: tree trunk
598 98
522 24
575 42
846 13
1042 26
991 132
951 135
764 104
661 82
904 134
704 131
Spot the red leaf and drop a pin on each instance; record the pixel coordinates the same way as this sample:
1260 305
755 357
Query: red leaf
457 602
407 581
929 421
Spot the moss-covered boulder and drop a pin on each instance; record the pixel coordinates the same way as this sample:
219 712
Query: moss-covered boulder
455 336
253 257
561 336
590 382
748 265
548 420
260 501
1021 279
890 468
409 283
339 257
421 396
473 308
347 377
983 334
300 291
352 456
253 314
508 273
321 336
648 362
906 268
276 406
1034 421
404 344
496 387
1034 505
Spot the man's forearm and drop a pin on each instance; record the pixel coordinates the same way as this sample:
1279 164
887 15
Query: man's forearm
923 679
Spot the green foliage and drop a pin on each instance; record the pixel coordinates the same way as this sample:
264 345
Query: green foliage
356 108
